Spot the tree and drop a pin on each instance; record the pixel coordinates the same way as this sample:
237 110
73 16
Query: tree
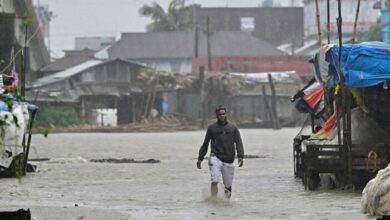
176 18
374 33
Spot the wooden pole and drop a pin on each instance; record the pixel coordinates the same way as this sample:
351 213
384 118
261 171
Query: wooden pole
208 34
273 103
346 110
196 41
318 23
266 105
149 97
328 23
24 64
203 97
355 24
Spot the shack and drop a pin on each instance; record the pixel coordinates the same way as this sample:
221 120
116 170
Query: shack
127 87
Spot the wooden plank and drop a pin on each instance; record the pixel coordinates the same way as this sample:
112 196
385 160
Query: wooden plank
324 153
323 146
364 161
363 168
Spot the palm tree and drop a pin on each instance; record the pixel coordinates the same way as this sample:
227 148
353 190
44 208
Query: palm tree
177 17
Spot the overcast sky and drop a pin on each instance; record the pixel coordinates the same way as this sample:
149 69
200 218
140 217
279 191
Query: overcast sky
84 18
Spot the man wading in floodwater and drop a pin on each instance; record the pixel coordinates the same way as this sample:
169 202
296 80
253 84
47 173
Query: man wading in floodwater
225 140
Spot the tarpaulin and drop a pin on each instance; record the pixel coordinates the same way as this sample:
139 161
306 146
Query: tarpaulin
363 65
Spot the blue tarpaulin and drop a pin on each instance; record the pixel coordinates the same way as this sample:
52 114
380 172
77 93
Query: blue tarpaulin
364 64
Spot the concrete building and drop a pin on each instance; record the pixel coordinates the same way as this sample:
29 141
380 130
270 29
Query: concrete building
275 25
13 37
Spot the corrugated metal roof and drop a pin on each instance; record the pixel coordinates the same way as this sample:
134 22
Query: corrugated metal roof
168 45
66 73
71 58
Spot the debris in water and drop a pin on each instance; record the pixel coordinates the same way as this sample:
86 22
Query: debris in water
124 160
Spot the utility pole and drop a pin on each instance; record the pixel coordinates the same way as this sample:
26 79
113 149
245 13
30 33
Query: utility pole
208 33
24 63
196 41
203 97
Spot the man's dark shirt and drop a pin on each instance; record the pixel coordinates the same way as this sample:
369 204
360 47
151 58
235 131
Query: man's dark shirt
223 137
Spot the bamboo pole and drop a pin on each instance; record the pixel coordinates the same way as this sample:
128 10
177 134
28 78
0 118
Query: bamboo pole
318 23
328 23
355 24
346 99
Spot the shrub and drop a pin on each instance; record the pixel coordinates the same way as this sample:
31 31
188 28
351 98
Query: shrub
56 117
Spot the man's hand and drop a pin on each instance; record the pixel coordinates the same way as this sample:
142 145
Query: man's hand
240 162
198 164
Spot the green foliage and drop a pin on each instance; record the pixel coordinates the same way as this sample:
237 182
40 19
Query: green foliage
45 132
19 169
56 117
26 20
374 33
176 18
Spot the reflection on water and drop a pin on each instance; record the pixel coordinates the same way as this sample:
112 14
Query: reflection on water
172 189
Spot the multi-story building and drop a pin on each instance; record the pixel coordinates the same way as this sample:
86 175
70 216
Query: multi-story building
275 25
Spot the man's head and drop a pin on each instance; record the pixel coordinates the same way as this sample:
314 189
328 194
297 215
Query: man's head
220 113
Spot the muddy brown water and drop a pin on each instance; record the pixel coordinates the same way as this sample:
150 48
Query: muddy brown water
264 188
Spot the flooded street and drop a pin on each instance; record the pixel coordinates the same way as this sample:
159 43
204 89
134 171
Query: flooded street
172 189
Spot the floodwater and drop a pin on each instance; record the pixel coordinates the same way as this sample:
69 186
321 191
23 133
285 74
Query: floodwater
264 188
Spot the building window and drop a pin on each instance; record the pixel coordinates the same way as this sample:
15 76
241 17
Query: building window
247 24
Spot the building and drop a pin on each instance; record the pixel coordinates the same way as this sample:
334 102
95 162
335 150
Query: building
14 34
176 51
96 85
93 43
70 59
276 25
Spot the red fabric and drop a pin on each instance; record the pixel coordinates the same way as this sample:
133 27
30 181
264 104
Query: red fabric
328 129
314 98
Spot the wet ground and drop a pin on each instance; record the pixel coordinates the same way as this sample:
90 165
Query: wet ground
70 188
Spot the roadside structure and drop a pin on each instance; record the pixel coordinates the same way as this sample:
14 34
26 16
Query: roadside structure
101 84
13 38
70 59
175 59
